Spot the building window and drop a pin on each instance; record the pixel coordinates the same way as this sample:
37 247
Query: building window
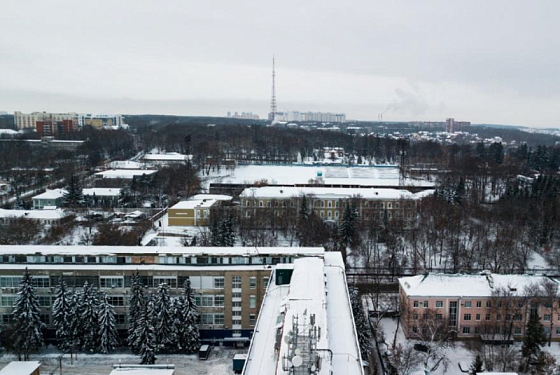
252 319
415 316
487 317
236 282
478 304
546 317
467 317
45 318
236 295
219 301
517 331
439 316
120 319
252 302
40 282
219 319
236 304
207 318
116 301
415 304
468 304
170 281
10 281
558 331
7 301
253 282
426 304
466 330
439 304
477 317
488 304
111 282
44 301
207 301
218 283
499 317
265 281
236 313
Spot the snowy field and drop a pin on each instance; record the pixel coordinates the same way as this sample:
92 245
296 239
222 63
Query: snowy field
219 363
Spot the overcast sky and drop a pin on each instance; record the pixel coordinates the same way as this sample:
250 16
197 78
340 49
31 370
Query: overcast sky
481 61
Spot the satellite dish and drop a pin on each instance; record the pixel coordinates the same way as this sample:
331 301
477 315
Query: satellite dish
297 361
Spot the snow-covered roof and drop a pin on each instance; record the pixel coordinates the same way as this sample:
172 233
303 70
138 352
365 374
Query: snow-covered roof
305 295
51 194
125 164
335 175
125 173
159 250
142 371
20 368
201 201
459 285
33 214
102 192
279 192
170 156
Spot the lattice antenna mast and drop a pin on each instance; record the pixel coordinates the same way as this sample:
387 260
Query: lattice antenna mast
273 99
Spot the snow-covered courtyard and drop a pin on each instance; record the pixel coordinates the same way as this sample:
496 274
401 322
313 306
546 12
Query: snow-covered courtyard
220 362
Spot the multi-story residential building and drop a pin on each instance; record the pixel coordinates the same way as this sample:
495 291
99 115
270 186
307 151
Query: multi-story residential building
310 116
196 211
229 283
104 121
49 127
487 306
29 120
376 205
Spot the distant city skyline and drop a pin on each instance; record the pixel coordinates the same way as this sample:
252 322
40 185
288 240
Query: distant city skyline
486 62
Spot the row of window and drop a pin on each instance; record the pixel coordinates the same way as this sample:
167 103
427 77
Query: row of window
109 259
478 304
197 282
328 204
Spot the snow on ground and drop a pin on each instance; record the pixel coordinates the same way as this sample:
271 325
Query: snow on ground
537 262
220 362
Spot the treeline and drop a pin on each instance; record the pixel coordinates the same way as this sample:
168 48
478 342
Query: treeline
84 320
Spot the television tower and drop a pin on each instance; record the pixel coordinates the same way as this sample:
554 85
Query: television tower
272 113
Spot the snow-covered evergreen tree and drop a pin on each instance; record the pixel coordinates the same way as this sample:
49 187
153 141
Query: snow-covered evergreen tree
74 194
137 306
348 224
145 336
178 327
62 311
162 317
189 340
89 305
362 326
227 230
107 327
28 335
303 209
76 323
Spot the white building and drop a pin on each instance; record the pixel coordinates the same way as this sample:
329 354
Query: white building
29 120
310 116
124 174
167 158
44 217
306 324
50 198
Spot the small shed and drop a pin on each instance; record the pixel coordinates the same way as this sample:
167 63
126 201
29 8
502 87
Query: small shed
22 368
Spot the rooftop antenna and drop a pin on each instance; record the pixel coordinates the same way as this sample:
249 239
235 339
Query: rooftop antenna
272 113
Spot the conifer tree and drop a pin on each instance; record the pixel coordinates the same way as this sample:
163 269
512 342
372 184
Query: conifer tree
162 317
107 327
28 335
89 305
476 366
362 325
303 210
189 339
145 336
74 194
62 316
227 230
534 338
137 306
348 224
76 323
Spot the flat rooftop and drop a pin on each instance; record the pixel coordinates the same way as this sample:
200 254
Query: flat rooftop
124 173
331 175
279 192
304 306
157 250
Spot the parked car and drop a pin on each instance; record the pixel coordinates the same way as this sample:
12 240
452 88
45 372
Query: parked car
204 352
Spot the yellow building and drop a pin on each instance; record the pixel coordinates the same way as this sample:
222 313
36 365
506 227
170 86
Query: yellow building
329 203
196 211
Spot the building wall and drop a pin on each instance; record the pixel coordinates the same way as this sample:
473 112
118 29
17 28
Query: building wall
332 209
476 316
39 204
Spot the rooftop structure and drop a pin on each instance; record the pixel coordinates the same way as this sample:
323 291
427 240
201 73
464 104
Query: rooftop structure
45 216
453 285
166 158
124 174
280 192
195 211
22 368
301 328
